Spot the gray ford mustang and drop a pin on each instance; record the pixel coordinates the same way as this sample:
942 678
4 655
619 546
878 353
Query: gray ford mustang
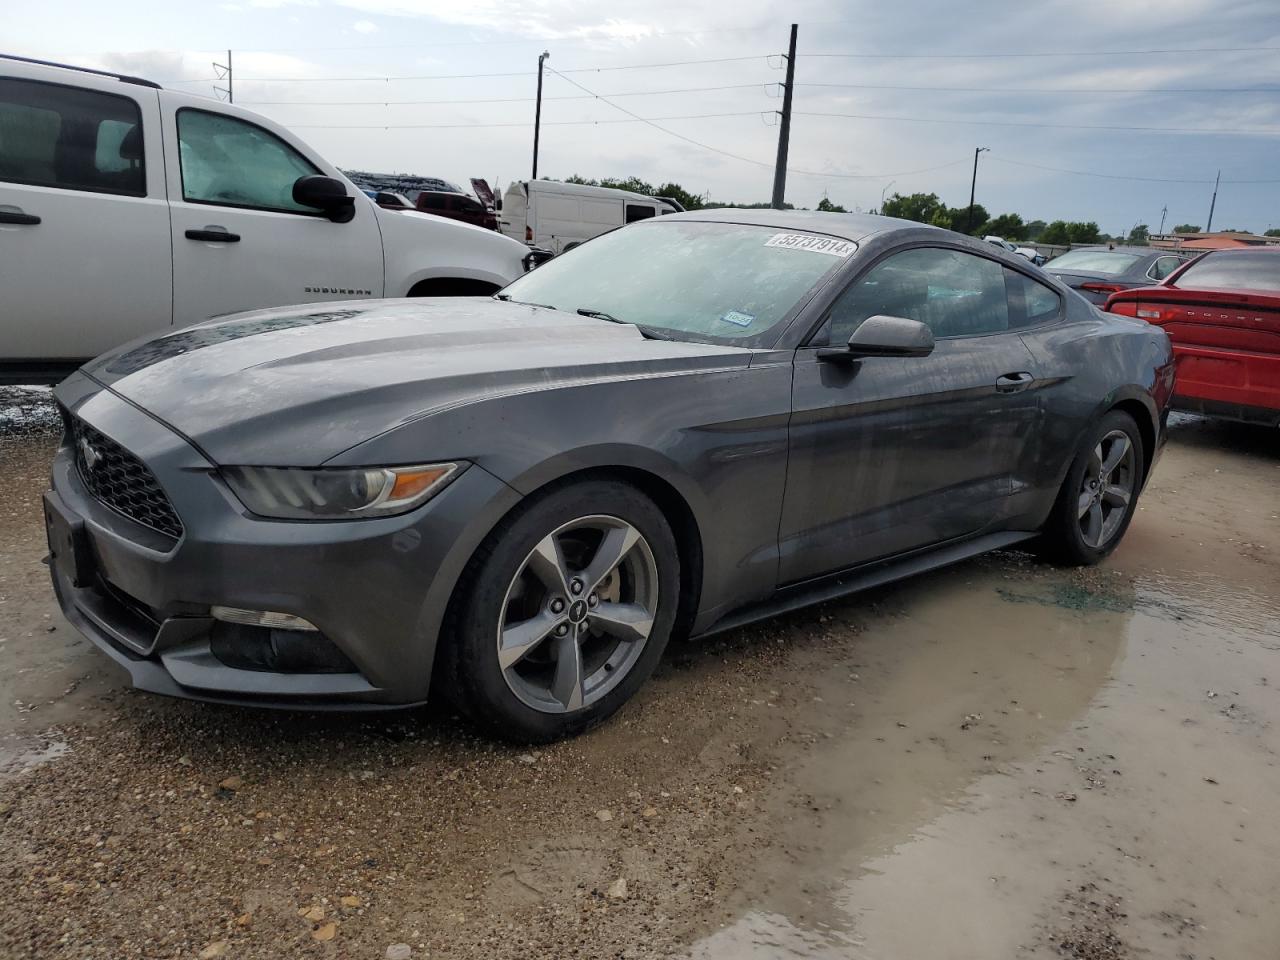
680 426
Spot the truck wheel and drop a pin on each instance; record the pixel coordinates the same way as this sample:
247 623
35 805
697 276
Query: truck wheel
452 287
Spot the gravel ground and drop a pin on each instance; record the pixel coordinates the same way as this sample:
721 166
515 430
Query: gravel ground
1044 763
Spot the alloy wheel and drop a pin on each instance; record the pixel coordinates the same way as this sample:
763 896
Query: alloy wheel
1107 488
577 614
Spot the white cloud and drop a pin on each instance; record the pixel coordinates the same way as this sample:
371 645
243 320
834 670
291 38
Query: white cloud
364 26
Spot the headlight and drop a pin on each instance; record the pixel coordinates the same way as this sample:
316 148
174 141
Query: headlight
344 494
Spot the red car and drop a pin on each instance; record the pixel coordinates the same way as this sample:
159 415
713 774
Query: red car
1222 313
457 206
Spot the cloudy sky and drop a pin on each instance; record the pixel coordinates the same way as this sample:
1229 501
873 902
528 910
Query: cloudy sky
889 95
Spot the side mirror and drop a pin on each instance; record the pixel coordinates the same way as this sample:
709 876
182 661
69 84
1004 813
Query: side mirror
882 336
325 194
536 257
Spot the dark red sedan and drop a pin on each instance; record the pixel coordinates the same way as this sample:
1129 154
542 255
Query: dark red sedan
1222 313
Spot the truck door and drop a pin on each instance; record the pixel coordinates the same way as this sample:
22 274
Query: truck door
240 242
84 226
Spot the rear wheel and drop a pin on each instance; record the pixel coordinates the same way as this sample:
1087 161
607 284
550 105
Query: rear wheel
1099 495
567 609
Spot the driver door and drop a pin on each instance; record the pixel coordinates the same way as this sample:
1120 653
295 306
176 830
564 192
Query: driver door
239 240
893 454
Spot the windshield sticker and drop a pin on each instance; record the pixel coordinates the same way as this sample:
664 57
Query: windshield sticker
739 319
813 243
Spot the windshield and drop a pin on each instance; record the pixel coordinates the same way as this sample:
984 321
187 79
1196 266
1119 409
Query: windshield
1244 270
1094 261
723 281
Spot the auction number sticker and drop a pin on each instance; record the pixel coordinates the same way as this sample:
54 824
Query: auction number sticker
813 243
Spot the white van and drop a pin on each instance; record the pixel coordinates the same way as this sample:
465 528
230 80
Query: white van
126 209
558 216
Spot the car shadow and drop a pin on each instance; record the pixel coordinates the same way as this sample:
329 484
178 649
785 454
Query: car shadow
1248 439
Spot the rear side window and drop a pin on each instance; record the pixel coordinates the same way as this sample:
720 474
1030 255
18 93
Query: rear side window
636 212
1030 302
71 139
1234 270
230 162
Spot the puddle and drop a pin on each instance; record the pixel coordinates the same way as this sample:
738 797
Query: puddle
1011 754
20 754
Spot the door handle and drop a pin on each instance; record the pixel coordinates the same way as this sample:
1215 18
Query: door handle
18 218
1014 382
213 236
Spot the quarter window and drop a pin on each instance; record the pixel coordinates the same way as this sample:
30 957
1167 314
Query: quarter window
232 163
955 293
1030 302
70 138
1163 267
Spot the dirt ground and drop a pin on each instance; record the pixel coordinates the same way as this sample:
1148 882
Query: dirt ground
1002 760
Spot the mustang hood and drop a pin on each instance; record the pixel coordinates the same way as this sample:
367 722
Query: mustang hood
298 386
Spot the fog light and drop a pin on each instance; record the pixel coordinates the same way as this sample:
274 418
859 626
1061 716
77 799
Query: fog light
278 651
261 618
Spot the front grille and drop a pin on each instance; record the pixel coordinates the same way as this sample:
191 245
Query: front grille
122 481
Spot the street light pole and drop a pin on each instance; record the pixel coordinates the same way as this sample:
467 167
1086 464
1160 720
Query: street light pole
537 113
968 220
883 192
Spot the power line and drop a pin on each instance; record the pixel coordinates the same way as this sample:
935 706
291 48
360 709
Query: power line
474 76
734 156
398 103
1038 123
1041 53
1021 90
520 123
1116 176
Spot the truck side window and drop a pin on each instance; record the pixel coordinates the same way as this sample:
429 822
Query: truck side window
637 212
71 139
232 163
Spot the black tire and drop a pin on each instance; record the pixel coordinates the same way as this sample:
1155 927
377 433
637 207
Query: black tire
1063 539
469 645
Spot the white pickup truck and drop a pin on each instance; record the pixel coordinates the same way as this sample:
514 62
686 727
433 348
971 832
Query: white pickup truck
126 208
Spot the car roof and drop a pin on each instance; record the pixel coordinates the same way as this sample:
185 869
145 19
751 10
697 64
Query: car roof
1131 251
849 226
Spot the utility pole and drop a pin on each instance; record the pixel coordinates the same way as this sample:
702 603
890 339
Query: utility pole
223 72
1208 227
784 132
1164 212
537 112
968 220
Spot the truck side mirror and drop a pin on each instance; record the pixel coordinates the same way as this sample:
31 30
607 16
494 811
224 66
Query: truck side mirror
325 194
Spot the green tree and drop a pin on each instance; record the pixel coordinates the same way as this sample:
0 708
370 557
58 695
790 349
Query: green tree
1186 228
920 207
1034 229
690 201
1273 232
1083 232
826 206
1056 233
1140 234
958 219
1007 225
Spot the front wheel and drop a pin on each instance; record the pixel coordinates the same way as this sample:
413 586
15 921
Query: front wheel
1099 495
563 612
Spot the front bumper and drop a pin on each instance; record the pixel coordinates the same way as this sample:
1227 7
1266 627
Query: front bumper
376 588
